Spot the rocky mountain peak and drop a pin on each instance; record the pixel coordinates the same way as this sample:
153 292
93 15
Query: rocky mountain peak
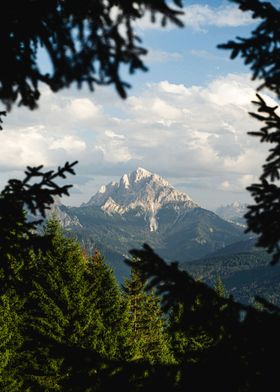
234 207
140 174
124 182
142 190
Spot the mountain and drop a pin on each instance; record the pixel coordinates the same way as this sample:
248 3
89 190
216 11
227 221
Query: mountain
233 213
141 190
60 212
245 246
245 271
145 208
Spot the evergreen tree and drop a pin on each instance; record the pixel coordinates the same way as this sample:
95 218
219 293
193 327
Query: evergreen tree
191 342
149 340
219 287
74 302
62 306
19 243
188 344
261 51
113 309
10 343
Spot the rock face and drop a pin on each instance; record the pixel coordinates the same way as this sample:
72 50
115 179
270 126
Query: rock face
60 212
67 221
143 191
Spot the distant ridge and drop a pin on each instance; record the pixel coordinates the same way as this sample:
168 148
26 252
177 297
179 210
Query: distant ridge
233 212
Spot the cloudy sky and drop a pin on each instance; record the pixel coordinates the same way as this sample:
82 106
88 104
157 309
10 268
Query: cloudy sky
186 119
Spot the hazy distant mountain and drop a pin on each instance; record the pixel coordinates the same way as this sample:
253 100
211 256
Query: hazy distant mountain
144 207
60 212
233 212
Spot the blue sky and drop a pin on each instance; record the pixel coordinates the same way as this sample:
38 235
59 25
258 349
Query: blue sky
185 119
199 60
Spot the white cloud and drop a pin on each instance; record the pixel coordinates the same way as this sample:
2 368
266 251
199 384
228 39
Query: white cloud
113 151
200 16
69 144
60 111
225 185
160 56
237 184
246 180
230 91
113 135
34 146
172 88
22 147
83 108
206 55
154 108
197 134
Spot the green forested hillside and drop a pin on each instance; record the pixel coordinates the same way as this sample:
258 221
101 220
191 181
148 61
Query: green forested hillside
247 245
183 237
64 299
204 244
244 275
67 325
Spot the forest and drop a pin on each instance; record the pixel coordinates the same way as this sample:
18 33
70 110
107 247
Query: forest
65 323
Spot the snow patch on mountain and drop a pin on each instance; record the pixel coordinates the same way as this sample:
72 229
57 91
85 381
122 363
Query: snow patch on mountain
141 189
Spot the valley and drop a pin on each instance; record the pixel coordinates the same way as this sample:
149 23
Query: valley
144 208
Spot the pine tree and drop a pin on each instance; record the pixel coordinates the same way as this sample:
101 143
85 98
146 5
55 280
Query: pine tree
10 343
62 306
219 287
148 340
76 302
188 342
113 309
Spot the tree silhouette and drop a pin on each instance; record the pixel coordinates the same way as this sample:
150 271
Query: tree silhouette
18 235
87 42
244 341
261 51
263 218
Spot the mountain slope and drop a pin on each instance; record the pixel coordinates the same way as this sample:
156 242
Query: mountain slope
245 246
144 208
244 275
